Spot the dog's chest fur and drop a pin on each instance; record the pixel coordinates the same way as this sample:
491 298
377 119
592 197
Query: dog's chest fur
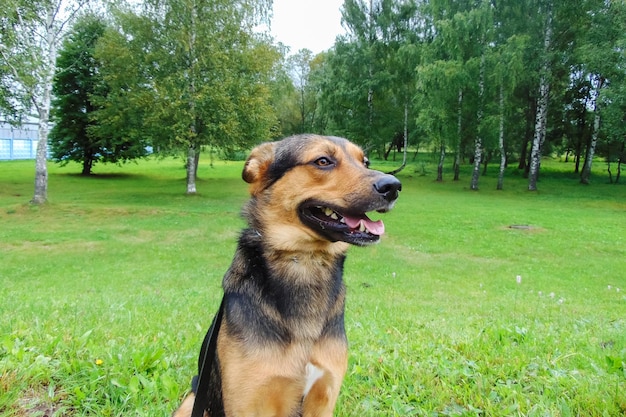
283 297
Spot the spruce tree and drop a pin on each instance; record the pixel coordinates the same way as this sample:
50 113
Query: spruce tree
77 85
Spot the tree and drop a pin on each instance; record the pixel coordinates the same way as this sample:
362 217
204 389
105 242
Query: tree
191 74
300 70
31 33
369 76
78 80
453 77
603 59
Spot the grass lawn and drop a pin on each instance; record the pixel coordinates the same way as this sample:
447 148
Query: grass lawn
106 293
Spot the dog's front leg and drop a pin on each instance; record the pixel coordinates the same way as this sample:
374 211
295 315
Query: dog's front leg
325 373
186 407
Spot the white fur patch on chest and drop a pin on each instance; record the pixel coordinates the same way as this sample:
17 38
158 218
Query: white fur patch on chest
313 373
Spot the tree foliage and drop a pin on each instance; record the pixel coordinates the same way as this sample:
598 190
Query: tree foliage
188 74
78 83
485 78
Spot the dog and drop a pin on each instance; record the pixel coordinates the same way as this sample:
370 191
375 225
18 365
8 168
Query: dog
281 350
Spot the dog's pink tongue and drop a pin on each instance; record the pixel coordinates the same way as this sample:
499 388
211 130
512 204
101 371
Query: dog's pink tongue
374 227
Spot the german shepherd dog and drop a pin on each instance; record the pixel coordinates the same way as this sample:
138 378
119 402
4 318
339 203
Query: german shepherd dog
281 350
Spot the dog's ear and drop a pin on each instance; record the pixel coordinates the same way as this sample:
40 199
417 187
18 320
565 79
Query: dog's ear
257 164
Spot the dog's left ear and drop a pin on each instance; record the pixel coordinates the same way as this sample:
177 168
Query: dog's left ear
255 169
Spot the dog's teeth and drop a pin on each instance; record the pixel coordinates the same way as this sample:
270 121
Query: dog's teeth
334 216
328 211
362 227
342 220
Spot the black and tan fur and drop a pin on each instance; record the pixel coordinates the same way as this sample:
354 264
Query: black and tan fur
282 349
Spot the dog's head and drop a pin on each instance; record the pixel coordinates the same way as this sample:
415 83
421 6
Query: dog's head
316 190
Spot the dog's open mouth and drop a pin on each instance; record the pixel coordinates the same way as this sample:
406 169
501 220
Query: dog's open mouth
357 229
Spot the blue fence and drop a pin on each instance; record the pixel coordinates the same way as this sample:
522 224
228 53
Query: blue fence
18 142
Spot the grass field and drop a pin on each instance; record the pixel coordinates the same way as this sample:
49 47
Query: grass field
106 292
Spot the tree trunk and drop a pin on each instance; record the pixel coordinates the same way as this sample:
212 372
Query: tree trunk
442 158
585 176
582 122
619 163
478 144
370 69
578 151
486 158
42 104
531 114
192 160
541 118
87 164
501 141
41 159
459 133
405 137
477 160
540 134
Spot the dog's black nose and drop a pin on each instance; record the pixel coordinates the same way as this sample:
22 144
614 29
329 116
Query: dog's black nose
388 186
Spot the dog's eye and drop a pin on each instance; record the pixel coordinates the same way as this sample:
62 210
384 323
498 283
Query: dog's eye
323 162
366 162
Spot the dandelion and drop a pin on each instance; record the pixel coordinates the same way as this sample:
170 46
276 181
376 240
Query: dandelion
99 362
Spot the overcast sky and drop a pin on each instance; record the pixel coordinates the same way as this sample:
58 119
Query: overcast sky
311 24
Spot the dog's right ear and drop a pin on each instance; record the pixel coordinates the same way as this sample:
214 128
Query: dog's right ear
257 164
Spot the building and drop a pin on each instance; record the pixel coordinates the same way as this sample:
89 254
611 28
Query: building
19 142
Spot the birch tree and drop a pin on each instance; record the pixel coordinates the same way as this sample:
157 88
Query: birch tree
193 75
541 117
603 57
32 31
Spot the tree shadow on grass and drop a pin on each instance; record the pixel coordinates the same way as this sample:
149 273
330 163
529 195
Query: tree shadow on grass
102 176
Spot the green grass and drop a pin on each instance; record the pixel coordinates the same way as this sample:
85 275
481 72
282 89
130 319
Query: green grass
106 292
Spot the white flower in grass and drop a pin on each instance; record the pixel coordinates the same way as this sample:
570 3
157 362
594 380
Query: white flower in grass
551 295
608 287
518 279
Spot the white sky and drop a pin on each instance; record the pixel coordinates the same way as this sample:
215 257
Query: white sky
311 24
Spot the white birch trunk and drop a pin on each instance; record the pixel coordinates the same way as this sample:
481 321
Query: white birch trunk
585 175
459 132
40 195
192 153
191 170
478 143
541 119
42 105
